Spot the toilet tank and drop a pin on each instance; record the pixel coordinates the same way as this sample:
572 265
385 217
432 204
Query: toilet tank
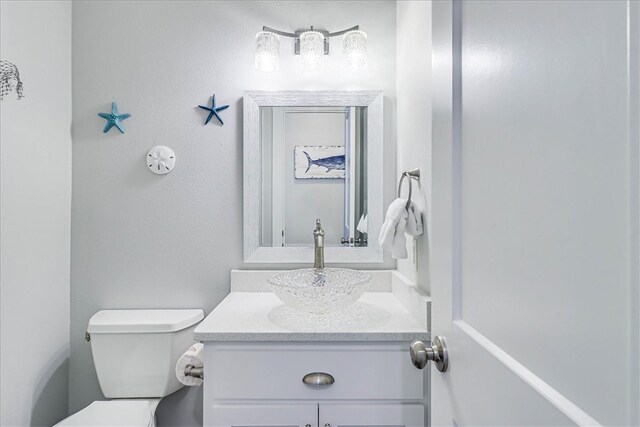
135 351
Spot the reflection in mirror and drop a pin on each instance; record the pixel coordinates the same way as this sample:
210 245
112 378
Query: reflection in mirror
310 155
313 166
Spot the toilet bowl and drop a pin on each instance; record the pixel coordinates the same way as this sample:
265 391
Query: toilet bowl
135 353
119 412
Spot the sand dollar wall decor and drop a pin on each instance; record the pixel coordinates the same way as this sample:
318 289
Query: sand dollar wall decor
10 80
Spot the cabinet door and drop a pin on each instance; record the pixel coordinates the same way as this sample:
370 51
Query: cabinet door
379 415
232 415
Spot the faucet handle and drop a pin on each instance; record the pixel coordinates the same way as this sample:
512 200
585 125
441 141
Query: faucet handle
318 231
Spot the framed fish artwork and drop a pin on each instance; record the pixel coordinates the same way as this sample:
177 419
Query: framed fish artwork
319 162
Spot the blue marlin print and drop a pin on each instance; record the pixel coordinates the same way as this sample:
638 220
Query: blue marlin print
331 163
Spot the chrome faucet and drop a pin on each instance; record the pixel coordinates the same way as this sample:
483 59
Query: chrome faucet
318 246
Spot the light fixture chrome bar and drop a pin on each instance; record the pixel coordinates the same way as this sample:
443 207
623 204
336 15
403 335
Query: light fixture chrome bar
297 33
278 32
339 33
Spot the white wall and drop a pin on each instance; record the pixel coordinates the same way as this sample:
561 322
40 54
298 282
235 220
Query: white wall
140 240
413 75
35 193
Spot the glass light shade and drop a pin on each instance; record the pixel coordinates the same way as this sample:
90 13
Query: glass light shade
355 48
267 51
311 48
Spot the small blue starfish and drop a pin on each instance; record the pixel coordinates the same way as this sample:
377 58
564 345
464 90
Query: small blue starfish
213 110
114 119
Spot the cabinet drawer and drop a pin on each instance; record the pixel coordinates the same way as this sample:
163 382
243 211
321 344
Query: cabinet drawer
233 415
275 371
378 415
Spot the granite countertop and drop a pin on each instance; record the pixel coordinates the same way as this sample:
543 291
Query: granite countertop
261 316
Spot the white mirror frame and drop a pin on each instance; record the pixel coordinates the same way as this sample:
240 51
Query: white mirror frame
253 100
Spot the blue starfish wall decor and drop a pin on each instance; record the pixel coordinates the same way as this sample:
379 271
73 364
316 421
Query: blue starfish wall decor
213 110
114 118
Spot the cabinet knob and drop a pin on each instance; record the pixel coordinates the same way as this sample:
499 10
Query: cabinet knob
318 379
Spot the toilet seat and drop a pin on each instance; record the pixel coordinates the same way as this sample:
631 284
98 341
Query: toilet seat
118 412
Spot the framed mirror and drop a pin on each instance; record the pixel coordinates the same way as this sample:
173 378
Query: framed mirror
307 156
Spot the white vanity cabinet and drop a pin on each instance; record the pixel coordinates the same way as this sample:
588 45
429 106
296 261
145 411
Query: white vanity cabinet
319 415
257 352
260 384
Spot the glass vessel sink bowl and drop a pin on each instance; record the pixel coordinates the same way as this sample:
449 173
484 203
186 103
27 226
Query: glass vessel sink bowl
319 291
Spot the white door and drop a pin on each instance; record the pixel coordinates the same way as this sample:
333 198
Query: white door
377 415
534 252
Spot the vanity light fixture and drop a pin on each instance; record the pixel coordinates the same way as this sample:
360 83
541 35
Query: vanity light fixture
311 48
355 48
311 45
267 51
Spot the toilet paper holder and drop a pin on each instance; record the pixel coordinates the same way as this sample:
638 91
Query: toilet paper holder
193 371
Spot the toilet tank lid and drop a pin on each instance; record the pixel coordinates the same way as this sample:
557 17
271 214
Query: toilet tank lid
142 321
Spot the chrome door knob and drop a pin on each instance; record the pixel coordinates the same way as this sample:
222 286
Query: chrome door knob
437 353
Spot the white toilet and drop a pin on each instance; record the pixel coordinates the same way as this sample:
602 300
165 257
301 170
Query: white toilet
135 353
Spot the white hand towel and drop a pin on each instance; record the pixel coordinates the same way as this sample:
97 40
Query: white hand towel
399 246
363 224
392 230
414 221
395 212
193 357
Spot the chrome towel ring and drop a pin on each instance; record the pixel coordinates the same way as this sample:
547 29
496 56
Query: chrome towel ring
410 175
